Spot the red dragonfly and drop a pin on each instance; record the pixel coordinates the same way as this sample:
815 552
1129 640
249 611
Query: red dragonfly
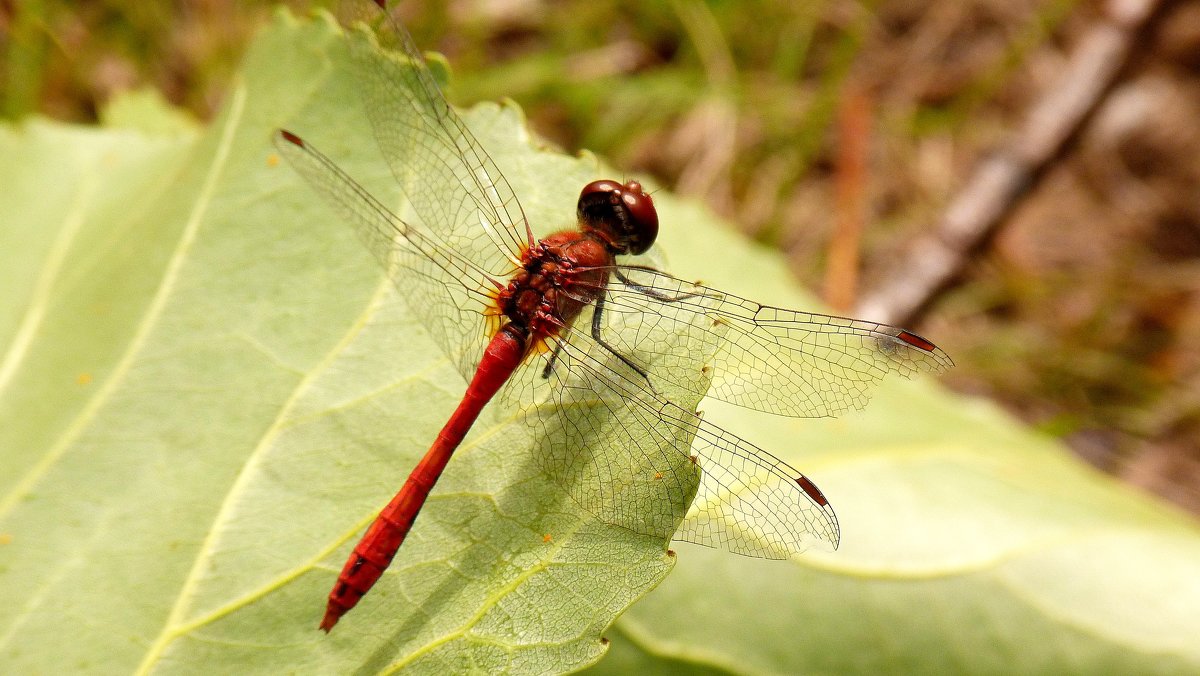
565 323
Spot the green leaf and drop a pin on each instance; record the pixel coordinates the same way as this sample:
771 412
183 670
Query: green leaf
207 390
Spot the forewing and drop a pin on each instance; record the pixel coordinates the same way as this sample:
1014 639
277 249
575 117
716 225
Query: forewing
768 359
448 291
452 183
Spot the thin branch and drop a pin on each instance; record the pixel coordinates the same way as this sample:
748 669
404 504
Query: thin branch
998 182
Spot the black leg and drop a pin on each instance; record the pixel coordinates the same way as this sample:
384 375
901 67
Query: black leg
553 358
596 316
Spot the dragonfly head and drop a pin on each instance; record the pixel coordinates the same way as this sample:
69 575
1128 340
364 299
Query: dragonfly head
623 215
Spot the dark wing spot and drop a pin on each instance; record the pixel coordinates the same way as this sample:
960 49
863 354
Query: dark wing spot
811 489
916 341
291 138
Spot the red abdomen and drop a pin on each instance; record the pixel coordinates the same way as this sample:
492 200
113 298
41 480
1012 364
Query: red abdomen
382 540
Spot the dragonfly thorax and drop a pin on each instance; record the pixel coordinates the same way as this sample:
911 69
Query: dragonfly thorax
560 275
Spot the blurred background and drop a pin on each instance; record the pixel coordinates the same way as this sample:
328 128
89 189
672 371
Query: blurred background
1016 179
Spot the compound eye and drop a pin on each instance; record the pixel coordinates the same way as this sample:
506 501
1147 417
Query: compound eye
643 217
598 187
623 215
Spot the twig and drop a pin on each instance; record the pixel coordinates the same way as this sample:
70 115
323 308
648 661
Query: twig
996 185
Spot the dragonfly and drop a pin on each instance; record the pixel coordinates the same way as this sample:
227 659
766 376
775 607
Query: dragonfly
573 330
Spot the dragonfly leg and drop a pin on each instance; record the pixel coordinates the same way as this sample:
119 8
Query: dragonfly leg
553 358
596 317
651 292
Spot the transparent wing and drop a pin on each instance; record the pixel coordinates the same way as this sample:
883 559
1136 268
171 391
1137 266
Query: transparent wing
768 359
633 458
450 293
452 183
